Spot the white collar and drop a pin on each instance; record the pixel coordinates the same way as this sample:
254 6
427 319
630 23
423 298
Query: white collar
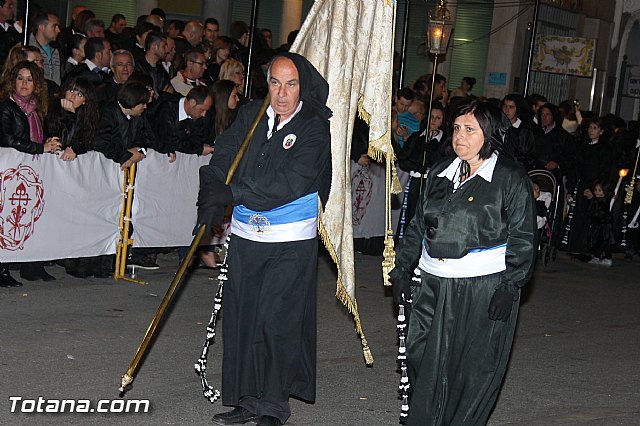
550 128
5 25
182 114
438 135
90 64
517 123
272 114
72 61
485 171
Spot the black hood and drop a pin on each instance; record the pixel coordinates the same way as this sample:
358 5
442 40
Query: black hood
314 89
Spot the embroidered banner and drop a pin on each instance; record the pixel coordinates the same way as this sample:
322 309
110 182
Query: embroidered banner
564 55
164 206
53 209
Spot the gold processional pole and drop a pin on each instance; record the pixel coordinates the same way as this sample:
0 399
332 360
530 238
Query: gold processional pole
629 196
245 143
128 377
124 241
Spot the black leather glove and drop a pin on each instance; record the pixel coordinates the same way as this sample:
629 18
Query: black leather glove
401 291
500 305
213 196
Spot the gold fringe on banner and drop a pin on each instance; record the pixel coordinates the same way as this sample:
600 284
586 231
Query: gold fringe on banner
343 296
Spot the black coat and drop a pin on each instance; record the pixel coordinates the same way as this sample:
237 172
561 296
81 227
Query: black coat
82 70
64 125
15 129
158 74
8 39
171 135
116 134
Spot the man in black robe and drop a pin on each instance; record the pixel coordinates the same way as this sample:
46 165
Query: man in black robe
270 296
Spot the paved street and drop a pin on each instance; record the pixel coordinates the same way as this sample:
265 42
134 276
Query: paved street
575 359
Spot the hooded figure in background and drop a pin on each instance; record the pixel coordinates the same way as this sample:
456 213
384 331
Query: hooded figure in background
473 241
270 296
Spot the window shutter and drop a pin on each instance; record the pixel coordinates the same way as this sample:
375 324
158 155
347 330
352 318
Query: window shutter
470 43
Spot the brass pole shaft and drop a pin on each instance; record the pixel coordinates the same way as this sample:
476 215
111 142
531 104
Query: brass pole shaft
247 139
128 377
629 195
433 85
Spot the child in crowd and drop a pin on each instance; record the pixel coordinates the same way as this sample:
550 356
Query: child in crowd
600 234
543 201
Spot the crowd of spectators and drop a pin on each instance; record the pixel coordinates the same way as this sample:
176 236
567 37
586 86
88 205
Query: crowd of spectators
171 86
584 152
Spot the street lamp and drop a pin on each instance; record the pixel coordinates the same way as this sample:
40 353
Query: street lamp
438 37
439 33
440 29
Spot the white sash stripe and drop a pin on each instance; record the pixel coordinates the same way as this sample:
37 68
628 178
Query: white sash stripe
473 264
295 231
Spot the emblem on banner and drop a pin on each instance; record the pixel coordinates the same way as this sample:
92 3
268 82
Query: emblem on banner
259 223
288 141
21 205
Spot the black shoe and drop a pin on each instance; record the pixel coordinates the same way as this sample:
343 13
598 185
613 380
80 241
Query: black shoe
80 272
269 421
237 416
44 275
29 272
6 280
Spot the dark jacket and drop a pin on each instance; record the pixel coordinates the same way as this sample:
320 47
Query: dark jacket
8 39
82 70
171 135
479 214
116 134
158 74
15 129
64 125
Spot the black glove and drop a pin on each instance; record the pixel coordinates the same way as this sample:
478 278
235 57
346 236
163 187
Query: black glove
212 199
401 291
500 305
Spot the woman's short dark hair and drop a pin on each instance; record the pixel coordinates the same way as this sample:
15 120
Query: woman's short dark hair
492 121
133 93
471 81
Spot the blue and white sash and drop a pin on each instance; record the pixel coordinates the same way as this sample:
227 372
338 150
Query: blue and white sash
295 221
476 263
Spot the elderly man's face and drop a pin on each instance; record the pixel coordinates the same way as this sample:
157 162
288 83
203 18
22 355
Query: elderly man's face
284 87
122 67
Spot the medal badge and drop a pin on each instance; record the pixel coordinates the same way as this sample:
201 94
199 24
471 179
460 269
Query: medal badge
259 223
288 141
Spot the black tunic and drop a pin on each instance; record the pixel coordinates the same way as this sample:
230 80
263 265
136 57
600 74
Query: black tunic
269 299
456 355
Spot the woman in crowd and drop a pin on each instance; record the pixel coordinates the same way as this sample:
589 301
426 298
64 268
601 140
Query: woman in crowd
76 53
22 108
421 151
73 116
221 52
521 140
466 86
225 102
473 239
593 165
233 70
554 149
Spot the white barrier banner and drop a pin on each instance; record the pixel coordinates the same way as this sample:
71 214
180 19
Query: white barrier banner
54 209
164 206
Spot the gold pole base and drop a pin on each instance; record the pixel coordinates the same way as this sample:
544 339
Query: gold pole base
126 381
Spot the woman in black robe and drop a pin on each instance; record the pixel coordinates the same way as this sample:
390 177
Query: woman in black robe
473 238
